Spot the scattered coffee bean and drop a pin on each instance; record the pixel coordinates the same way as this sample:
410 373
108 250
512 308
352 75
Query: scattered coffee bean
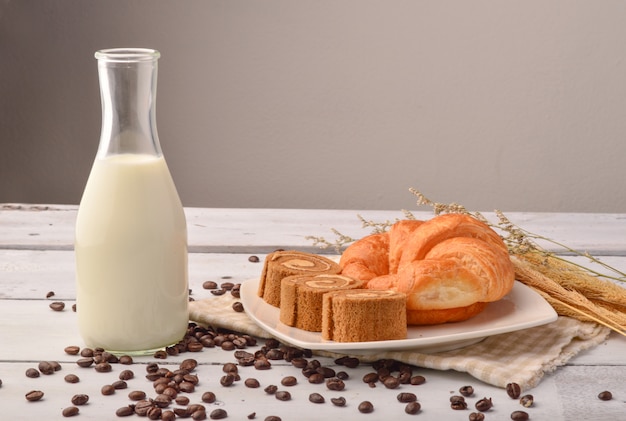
283 395
107 390
417 380
227 380
32 373
57 306
527 401
50 294
72 378
209 285
237 306
289 381
137 395
218 414
316 398
340 401
126 375
125 411
366 407
484 404
74 307
85 362
103 367
228 286
605 396
476 416
466 391
513 390
262 364
406 397
335 384
45 367
208 397
161 354
189 364
125 360
70 411
458 402
119 384
412 408
182 400
391 382
273 418
253 259
80 399
34 395
519 416
72 350
252 383
370 378
271 389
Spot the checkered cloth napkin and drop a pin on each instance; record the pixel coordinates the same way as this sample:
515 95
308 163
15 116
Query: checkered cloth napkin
524 356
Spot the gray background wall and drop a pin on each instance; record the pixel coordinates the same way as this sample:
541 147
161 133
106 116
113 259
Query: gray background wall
331 104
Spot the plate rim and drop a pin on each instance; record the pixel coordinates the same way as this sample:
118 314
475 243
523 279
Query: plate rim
540 315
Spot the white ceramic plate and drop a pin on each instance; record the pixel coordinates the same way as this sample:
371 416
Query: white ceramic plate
522 308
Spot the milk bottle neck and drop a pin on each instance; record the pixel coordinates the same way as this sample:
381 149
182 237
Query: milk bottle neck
128 79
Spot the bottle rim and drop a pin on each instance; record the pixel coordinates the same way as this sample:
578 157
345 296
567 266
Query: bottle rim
125 55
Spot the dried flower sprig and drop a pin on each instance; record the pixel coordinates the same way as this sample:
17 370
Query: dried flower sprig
573 289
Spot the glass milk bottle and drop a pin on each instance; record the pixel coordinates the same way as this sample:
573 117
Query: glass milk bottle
131 233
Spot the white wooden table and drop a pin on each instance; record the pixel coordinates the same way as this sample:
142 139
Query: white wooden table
36 257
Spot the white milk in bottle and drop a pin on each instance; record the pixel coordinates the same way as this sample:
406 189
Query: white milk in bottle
131 234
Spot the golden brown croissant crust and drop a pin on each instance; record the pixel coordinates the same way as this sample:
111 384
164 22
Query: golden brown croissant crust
449 266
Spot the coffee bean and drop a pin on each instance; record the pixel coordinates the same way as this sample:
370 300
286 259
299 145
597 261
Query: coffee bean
227 380
406 397
283 395
107 390
316 398
32 373
72 350
125 360
209 285
335 384
253 259
57 306
70 411
476 416
103 367
126 375
289 381
458 402
142 407
189 364
162 400
119 384
262 364
137 395
271 389
466 391
85 362
519 416
342 375
238 306
272 418
340 401
366 407
605 396
45 367
316 378
125 411
412 408
417 380
218 414
252 383
370 378
484 404
391 382
50 294
80 399
208 397
513 390
527 401
228 286
72 378
34 395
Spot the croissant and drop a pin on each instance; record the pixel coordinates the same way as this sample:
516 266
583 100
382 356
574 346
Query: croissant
449 267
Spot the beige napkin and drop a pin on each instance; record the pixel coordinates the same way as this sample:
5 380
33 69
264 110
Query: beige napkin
523 356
